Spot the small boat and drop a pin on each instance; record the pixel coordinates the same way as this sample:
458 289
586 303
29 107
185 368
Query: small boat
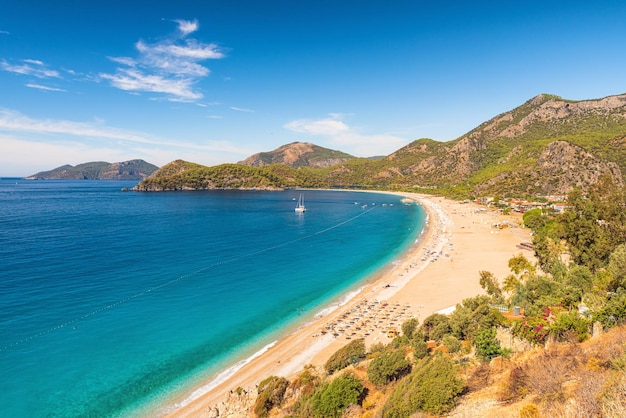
300 205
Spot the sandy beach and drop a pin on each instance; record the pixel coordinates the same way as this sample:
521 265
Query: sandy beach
458 242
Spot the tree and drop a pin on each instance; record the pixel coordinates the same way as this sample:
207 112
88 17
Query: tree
452 344
534 219
471 316
270 394
420 347
349 354
332 398
487 347
489 282
432 386
617 267
409 327
435 326
595 224
388 366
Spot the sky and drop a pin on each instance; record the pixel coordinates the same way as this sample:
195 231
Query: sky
214 82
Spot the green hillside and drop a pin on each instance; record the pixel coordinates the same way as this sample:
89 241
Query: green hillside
546 146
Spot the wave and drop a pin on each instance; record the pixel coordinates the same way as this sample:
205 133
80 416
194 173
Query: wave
218 379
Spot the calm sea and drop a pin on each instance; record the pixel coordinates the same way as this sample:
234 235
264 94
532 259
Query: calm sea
113 302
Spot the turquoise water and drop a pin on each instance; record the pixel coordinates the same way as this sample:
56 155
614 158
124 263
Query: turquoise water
114 302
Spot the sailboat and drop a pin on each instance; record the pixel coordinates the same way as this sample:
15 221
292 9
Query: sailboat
300 206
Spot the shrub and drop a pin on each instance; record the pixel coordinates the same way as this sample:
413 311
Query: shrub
514 386
409 327
613 396
390 365
349 354
271 392
613 312
570 323
431 387
471 316
548 372
529 411
436 325
487 347
420 348
452 344
332 398
532 329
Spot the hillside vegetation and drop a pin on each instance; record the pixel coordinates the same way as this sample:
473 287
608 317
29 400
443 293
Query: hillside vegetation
562 355
546 146
99 170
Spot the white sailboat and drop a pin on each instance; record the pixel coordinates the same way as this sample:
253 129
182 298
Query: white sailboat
300 206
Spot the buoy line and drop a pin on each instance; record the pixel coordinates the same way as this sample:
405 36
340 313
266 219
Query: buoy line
182 277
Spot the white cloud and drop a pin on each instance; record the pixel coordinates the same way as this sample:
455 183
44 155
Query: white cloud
347 139
16 122
329 127
134 80
40 87
170 67
4 32
186 27
42 144
30 67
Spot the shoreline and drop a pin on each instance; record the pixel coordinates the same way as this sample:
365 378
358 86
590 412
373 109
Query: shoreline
434 274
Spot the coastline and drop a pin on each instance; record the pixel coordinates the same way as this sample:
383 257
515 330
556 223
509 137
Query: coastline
442 269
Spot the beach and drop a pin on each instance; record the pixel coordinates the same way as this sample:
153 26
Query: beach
458 241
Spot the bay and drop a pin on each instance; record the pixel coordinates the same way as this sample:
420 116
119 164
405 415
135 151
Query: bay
113 302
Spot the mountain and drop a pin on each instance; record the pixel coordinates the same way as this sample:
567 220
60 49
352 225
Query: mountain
99 170
298 154
546 146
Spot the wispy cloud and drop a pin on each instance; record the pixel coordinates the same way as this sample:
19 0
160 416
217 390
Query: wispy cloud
15 122
170 67
330 127
40 87
4 32
241 109
30 67
347 138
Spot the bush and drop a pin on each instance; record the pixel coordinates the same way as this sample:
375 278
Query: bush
420 348
570 323
350 354
432 387
332 398
514 386
435 326
613 396
452 344
473 315
409 327
487 347
271 392
388 366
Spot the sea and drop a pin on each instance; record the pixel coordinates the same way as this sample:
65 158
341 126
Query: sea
115 303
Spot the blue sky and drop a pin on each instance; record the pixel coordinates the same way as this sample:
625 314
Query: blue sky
216 81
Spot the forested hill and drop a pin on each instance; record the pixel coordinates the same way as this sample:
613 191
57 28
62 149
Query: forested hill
546 146
99 170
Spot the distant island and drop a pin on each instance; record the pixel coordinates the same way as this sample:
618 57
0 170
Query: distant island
99 170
